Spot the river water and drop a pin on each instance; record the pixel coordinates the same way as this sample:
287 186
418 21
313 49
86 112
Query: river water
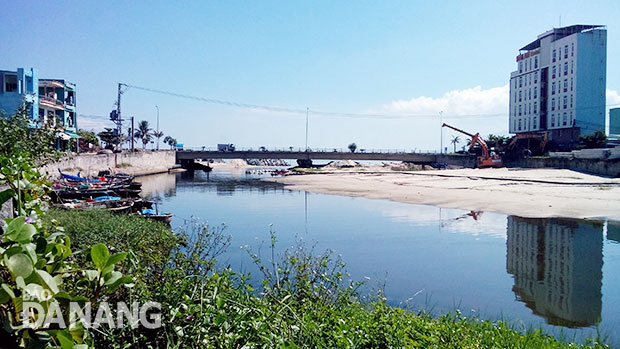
559 274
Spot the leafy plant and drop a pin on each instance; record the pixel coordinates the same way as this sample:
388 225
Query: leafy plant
596 140
352 147
144 133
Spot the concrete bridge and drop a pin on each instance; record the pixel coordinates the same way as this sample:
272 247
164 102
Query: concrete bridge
304 158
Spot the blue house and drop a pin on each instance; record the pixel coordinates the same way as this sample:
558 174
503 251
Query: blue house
57 105
20 88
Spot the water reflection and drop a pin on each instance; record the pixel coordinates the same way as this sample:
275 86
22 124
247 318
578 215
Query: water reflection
226 185
557 268
613 231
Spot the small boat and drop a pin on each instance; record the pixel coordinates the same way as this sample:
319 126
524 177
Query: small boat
152 214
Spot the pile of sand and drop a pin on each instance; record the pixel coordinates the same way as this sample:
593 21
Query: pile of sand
342 164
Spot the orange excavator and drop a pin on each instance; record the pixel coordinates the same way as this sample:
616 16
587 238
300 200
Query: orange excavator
486 159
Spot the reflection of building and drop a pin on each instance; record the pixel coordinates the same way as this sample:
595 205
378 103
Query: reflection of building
557 268
613 231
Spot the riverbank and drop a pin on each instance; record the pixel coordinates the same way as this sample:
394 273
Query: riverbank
523 192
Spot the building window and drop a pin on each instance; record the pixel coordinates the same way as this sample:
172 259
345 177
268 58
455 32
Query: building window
565 102
536 62
535 77
572 49
519 124
565 85
571 66
553 73
552 103
519 110
565 68
566 51
553 88
520 81
530 62
571 102
571 119
520 67
554 55
535 124
535 108
519 96
10 83
552 120
515 97
535 92
564 119
571 84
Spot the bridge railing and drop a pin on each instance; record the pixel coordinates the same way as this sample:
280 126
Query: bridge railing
315 150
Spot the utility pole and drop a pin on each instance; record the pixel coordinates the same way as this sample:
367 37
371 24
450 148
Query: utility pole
115 115
157 127
132 136
441 132
307 111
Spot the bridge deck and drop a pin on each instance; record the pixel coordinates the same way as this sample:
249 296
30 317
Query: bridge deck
420 158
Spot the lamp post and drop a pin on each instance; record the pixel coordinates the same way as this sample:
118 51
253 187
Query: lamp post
157 126
307 111
441 132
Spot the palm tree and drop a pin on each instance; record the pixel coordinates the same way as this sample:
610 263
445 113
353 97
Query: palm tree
352 147
143 133
455 140
158 135
170 141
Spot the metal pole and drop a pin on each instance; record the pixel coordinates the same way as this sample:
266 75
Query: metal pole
119 124
132 136
307 111
157 127
441 132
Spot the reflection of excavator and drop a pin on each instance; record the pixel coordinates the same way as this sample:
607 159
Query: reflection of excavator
485 160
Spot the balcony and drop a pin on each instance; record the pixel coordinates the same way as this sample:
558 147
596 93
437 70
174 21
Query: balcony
51 103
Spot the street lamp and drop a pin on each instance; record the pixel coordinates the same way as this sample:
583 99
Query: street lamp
441 132
157 126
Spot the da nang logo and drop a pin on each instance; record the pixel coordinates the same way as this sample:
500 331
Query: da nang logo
41 311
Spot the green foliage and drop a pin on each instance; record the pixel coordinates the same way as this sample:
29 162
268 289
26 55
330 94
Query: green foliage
109 137
18 138
36 266
150 242
170 141
352 147
455 140
144 133
596 140
88 137
496 140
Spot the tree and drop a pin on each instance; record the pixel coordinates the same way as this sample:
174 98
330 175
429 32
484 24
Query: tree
596 140
495 140
144 133
455 140
19 139
170 141
352 147
109 137
158 135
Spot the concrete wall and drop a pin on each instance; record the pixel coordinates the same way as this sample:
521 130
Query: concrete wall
138 163
608 168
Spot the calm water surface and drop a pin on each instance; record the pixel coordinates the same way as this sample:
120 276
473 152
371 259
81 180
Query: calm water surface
559 274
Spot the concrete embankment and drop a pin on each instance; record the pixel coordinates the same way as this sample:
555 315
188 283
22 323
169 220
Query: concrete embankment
139 163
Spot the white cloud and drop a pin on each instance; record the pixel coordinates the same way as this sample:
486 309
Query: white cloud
471 101
613 98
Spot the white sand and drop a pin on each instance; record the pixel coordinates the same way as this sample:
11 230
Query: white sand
523 192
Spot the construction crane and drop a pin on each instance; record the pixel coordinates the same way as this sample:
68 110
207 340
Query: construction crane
486 159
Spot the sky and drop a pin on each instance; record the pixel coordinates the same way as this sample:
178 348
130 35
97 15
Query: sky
401 61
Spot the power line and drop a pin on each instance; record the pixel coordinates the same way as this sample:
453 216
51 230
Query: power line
314 112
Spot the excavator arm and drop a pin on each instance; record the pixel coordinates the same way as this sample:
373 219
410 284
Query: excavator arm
474 139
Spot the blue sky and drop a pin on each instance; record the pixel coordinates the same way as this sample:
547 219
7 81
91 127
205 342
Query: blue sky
381 57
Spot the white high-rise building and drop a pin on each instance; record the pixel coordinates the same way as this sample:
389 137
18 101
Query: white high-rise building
559 84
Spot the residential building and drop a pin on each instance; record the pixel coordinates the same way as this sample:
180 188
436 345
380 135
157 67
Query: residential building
559 84
57 104
20 89
557 266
